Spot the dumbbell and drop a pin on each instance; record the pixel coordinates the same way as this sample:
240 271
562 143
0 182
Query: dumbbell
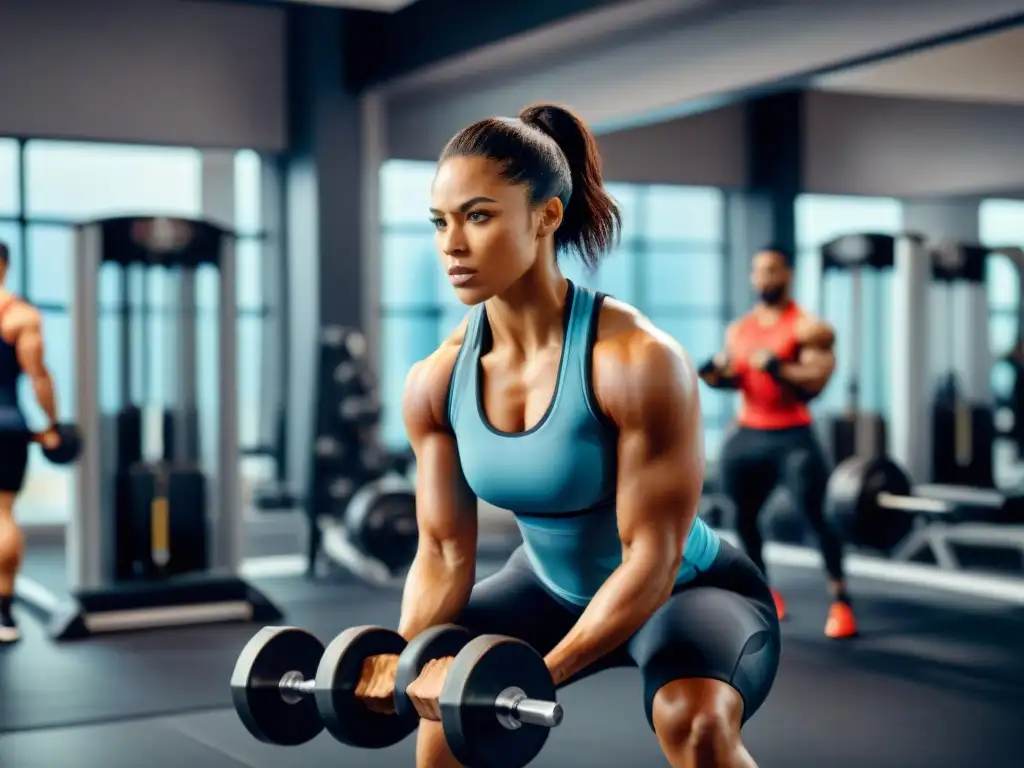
286 687
338 336
489 719
497 703
69 448
346 716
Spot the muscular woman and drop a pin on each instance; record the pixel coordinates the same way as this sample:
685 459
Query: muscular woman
778 357
21 351
577 414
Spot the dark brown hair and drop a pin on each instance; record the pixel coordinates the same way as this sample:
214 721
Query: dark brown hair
553 153
5 253
784 253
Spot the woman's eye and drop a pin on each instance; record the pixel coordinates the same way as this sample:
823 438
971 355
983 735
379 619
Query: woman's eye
477 217
437 222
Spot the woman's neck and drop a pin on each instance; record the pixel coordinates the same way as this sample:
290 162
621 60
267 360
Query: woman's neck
530 314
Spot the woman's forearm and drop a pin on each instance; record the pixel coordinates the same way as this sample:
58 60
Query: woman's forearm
437 588
629 597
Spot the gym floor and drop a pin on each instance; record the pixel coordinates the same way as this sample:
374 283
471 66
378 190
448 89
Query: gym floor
935 681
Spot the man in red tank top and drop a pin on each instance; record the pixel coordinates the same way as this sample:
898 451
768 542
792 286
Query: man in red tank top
779 358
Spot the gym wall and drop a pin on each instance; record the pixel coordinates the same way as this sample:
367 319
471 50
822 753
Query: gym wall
876 145
708 149
205 74
985 68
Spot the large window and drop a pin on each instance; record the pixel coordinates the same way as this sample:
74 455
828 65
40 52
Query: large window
669 265
1001 224
65 183
70 181
819 218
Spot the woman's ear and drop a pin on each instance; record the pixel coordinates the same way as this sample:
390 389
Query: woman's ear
551 214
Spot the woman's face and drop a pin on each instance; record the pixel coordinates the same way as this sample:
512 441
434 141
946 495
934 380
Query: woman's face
488 233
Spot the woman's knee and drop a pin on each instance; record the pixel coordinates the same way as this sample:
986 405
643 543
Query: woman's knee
700 716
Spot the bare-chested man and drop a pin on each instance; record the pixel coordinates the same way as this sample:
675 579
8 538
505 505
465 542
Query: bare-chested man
21 351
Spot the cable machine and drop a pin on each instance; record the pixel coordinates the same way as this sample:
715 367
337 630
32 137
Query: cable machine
154 538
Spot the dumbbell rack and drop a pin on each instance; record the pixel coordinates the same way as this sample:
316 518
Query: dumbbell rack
345 455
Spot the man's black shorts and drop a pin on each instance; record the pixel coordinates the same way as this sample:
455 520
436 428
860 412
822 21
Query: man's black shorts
13 460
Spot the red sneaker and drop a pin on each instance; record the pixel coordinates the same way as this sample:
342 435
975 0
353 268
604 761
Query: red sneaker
780 605
841 622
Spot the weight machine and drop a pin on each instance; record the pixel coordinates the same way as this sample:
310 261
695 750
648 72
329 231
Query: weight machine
141 551
872 498
856 431
965 507
962 425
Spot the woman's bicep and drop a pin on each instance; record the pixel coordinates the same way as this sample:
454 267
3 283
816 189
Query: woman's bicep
661 459
445 505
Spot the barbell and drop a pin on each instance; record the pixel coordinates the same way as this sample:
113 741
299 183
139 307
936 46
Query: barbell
869 502
287 688
863 502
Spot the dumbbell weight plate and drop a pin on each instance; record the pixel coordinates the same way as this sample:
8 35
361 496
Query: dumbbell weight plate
271 654
381 519
434 643
70 447
851 503
346 717
485 668
355 342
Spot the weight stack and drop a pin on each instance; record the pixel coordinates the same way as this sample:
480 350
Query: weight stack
164 512
976 471
128 436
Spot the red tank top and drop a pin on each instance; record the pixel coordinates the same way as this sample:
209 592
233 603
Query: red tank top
765 403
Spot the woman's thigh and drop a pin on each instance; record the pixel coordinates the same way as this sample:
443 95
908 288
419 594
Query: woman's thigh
512 602
712 633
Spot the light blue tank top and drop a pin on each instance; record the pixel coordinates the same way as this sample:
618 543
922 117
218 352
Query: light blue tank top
559 477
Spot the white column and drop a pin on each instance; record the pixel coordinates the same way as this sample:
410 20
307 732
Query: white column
910 425
954 219
217 177
373 112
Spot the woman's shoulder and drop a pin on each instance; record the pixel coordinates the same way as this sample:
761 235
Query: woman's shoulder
428 381
626 338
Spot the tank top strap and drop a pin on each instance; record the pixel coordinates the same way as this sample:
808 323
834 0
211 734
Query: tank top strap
464 373
579 341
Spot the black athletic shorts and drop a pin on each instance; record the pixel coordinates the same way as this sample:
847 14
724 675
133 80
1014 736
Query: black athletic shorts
13 461
721 625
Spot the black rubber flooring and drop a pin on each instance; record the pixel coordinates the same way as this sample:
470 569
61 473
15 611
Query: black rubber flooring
936 681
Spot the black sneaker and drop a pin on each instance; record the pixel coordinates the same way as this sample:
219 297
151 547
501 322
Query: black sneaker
8 628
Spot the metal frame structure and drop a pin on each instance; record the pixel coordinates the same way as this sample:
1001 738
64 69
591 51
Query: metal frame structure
99 603
937 530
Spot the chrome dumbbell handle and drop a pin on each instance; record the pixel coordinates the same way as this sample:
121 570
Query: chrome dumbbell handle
514 709
294 687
